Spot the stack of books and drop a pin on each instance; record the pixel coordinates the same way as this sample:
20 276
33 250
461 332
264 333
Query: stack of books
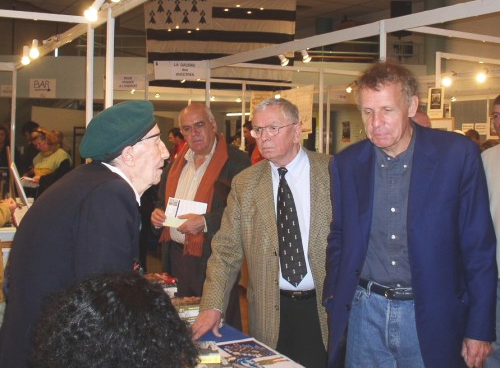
188 307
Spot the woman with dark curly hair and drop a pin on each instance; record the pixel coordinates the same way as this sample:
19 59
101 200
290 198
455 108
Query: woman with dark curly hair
112 320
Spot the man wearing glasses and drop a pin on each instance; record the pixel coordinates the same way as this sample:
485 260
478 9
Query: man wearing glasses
202 172
284 312
86 223
492 168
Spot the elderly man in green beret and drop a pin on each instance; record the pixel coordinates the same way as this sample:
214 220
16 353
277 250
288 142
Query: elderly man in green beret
86 223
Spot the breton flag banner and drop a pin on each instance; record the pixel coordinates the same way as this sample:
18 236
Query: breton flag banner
195 30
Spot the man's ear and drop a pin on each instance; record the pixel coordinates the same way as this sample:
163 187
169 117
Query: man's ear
127 155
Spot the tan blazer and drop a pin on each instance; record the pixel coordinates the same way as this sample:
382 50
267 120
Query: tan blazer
249 228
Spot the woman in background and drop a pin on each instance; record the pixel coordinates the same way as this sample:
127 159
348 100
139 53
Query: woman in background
51 163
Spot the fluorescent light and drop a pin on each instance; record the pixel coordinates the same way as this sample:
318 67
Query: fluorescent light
236 114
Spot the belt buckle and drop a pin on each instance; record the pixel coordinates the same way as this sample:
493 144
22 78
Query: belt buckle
297 295
390 293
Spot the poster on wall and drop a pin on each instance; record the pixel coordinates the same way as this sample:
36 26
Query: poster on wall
42 88
436 102
302 97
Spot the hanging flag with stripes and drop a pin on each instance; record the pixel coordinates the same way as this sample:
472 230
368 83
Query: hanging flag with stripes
194 30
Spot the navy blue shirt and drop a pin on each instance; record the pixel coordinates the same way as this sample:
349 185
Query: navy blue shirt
387 257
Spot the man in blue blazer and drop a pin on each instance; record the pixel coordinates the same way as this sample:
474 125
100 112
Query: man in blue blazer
411 273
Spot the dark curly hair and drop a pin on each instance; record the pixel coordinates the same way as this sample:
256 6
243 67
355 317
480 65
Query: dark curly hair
112 320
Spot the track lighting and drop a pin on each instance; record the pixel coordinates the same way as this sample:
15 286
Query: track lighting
25 60
350 86
305 56
284 60
34 53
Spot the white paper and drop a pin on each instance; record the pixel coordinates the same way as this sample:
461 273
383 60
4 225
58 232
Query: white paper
177 207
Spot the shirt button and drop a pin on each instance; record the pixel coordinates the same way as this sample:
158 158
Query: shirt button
393 263
393 237
393 209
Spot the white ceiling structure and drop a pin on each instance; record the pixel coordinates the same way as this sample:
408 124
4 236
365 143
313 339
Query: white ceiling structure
308 11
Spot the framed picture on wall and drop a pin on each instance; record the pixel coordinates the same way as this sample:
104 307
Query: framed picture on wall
490 130
444 124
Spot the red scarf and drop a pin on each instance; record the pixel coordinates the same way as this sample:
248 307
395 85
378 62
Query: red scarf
193 244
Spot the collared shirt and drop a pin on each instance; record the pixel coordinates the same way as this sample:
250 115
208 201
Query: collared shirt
387 257
188 184
122 174
298 179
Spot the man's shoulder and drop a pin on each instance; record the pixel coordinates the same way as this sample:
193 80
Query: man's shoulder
491 154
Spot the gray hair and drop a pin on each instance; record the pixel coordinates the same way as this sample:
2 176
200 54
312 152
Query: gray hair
289 110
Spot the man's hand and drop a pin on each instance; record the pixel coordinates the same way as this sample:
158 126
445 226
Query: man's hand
158 218
206 320
195 224
475 352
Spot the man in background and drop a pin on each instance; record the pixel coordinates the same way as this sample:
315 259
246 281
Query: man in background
202 172
491 161
422 119
411 270
85 223
284 313
177 139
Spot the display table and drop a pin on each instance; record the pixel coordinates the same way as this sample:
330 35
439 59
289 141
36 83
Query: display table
229 333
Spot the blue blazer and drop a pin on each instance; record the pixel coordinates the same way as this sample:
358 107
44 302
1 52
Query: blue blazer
451 243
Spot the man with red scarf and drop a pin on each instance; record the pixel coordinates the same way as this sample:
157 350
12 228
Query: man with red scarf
202 171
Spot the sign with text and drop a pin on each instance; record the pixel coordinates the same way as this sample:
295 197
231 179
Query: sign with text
179 70
6 90
125 82
42 88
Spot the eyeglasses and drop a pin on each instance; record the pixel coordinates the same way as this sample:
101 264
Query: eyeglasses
495 115
272 130
197 127
151 136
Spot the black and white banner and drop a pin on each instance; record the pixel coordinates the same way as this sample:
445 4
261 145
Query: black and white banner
208 29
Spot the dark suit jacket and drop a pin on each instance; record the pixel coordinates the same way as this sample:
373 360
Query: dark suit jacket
85 223
451 243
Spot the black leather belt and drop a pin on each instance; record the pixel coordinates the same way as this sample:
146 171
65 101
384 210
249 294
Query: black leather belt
387 292
299 295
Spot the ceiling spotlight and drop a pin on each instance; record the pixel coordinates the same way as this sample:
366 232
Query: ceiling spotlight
350 86
481 76
305 56
25 60
34 53
453 99
90 14
284 60
157 95
446 81
212 98
238 99
277 96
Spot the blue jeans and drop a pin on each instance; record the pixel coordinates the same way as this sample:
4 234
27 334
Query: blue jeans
493 360
382 333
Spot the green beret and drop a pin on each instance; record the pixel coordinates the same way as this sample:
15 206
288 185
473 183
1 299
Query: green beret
115 128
